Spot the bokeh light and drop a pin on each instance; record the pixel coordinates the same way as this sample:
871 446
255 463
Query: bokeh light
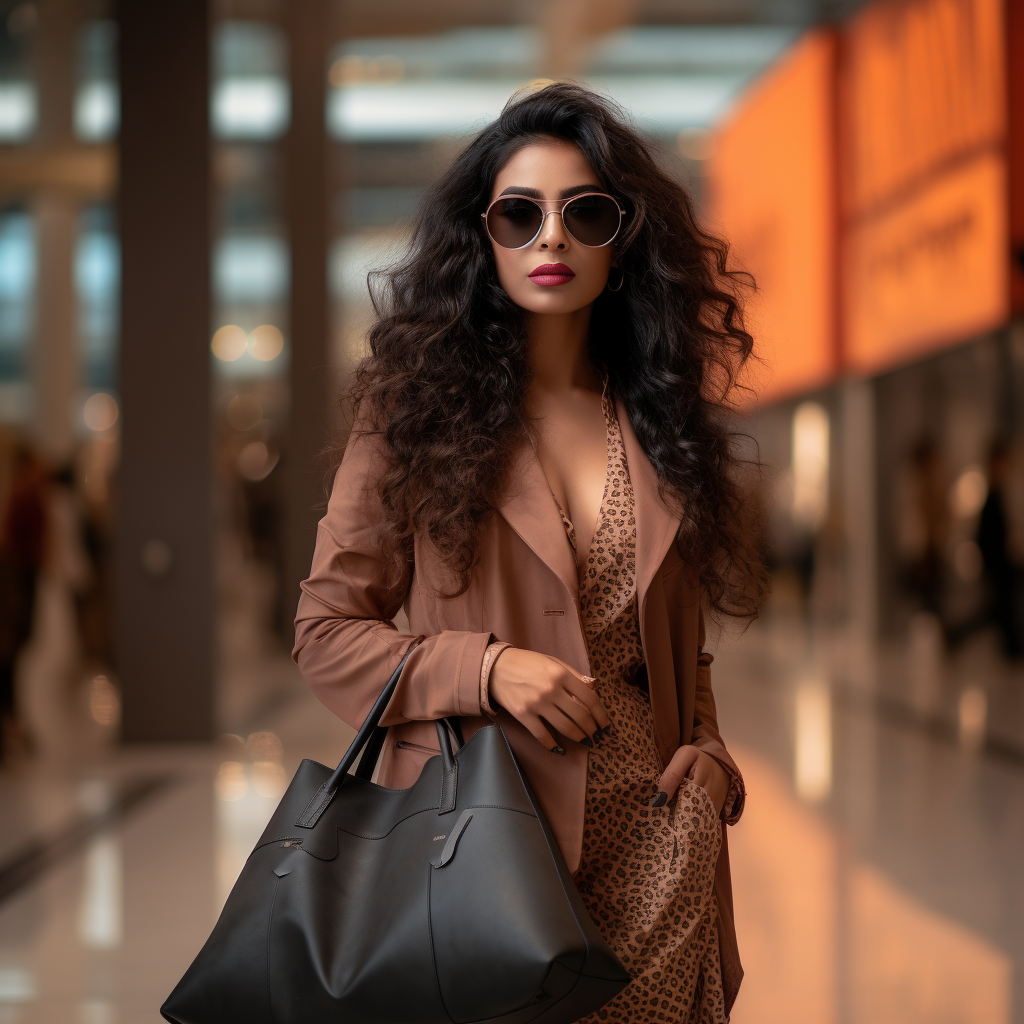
813 740
810 464
269 779
264 746
228 342
972 716
104 701
969 492
266 342
255 461
100 412
231 783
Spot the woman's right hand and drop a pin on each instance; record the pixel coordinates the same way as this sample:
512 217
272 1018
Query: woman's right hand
544 693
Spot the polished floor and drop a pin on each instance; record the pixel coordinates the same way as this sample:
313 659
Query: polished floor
879 867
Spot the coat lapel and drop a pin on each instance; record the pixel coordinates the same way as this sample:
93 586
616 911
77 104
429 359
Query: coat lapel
529 508
656 523
656 527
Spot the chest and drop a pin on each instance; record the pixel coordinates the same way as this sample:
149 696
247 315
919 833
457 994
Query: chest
572 449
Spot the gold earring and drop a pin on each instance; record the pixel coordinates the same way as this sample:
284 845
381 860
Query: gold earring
622 279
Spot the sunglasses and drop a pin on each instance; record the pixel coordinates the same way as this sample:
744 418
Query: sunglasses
592 219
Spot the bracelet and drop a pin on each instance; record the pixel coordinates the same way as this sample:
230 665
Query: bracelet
490 656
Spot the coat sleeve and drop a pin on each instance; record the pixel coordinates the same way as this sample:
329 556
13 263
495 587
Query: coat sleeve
706 736
346 644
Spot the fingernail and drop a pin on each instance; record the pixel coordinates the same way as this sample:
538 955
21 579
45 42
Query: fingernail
587 742
557 750
660 799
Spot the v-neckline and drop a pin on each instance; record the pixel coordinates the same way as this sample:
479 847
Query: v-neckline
570 529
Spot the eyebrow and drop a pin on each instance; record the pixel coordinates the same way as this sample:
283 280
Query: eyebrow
566 193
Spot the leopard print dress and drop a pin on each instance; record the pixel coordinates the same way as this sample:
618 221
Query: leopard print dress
647 874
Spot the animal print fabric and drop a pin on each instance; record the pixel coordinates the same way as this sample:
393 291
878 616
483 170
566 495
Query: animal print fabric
647 874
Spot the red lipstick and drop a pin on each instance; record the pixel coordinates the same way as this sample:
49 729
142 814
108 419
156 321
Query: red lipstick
549 274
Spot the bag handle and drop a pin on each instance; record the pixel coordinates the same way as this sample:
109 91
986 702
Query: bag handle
369 740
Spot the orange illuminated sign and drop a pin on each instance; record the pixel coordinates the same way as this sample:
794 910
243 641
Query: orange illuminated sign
772 193
1015 147
924 178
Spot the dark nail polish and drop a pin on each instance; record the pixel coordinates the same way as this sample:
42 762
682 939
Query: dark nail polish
557 750
587 742
660 799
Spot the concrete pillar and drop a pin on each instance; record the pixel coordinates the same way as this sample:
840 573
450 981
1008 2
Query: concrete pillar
55 360
164 602
310 376
55 58
55 357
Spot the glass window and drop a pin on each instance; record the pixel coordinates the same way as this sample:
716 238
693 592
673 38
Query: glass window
251 99
19 104
250 112
98 286
17 311
97 99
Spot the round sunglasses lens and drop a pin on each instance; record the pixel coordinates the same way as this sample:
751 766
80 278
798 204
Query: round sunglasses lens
513 222
592 220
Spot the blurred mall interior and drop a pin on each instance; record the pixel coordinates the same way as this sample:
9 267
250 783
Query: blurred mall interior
191 197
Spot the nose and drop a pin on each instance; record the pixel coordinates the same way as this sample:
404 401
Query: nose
552 232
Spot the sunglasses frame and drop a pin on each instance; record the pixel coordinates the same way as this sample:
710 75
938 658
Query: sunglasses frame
561 205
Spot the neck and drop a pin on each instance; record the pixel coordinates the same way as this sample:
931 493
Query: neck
557 350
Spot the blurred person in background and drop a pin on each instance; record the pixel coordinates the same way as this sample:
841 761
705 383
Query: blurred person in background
89 508
23 545
790 555
1001 572
925 526
73 576
541 472
261 501
93 592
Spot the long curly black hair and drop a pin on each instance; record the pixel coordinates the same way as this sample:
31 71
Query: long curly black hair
446 379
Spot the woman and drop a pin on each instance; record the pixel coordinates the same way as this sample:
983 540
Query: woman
539 475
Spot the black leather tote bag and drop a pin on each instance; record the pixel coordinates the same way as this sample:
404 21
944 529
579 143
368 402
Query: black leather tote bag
445 903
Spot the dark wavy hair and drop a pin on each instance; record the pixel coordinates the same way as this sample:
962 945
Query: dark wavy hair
445 381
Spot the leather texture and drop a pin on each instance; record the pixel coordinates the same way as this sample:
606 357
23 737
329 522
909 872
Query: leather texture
445 903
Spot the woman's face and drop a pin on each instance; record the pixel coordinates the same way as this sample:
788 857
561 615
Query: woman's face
554 273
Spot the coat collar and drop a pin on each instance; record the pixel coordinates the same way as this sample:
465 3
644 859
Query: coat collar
529 508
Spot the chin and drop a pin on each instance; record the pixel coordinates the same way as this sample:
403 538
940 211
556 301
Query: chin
553 303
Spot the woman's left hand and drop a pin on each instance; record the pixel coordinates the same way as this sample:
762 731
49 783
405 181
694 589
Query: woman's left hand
689 762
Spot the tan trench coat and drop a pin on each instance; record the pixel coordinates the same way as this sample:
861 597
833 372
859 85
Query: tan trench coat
524 591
